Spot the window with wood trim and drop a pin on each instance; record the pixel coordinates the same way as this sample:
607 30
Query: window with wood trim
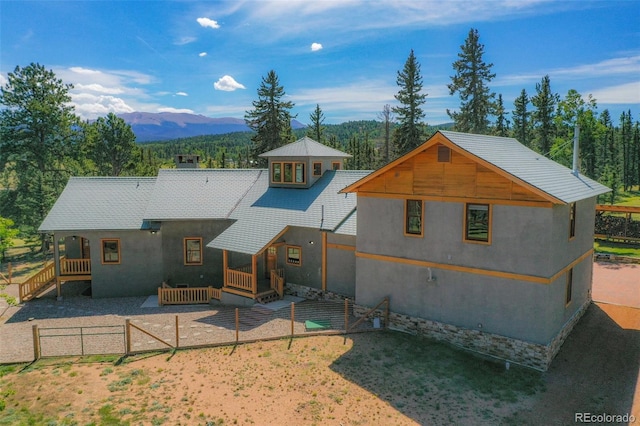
294 255
110 251
477 225
317 169
569 290
444 154
336 165
276 172
413 217
193 251
572 220
288 172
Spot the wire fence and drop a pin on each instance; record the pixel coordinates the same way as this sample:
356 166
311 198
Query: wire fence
223 326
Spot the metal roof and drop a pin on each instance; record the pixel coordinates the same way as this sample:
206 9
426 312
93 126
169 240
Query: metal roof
305 147
266 212
100 203
527 165
198 193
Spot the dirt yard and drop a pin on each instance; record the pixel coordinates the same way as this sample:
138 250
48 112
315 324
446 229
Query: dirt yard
363 379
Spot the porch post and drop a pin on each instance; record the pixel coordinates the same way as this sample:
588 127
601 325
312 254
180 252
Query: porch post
324 261
224 267
254 274
56 263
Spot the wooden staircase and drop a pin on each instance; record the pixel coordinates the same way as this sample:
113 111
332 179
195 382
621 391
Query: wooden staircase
38 283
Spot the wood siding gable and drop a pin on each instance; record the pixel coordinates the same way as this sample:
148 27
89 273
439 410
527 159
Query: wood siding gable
465 176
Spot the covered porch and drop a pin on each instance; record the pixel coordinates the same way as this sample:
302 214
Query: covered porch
61 268
247 281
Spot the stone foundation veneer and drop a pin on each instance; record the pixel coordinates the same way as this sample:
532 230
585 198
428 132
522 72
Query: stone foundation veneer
533 355
529 354
311 293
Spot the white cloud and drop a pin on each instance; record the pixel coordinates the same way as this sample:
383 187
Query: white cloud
315 47
184 40
227 84
182 94
175 110
80 70
94 87
202 54
628 93
208 23
627 65
92 106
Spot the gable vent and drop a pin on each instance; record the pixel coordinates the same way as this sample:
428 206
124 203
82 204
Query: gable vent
444 154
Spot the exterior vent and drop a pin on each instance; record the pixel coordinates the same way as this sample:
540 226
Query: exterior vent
444 154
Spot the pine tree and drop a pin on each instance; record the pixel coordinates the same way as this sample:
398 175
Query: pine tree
386 117
316 129
37 136
270 118
521 119
543 117
112 145
626 142
471 83
502 122
410 131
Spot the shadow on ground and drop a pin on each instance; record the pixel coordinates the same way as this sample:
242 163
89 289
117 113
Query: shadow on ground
596 371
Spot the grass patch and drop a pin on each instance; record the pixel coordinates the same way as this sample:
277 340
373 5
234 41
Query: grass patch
618 249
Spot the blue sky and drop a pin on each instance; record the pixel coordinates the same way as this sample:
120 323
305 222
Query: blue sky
209 57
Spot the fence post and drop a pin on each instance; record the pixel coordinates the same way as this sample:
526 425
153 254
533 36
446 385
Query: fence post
177 334
237 325
159 296
293 316
346 315
127 326
386 313
36 342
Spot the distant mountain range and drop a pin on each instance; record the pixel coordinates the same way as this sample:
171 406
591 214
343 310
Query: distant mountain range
149 126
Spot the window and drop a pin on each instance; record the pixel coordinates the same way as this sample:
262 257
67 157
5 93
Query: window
569 290
110 251
193 251
299 172
444 154
572 220
336 165
276 172
288 172
294 255
413 217
317 169
477 223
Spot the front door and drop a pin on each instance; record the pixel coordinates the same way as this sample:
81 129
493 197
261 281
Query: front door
86 248
271 261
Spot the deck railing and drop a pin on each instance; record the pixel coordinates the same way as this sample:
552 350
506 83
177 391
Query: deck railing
186 296
240 280
75 266
277 281
33 284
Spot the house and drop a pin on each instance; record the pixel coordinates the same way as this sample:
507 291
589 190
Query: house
476 240
480 242
225 228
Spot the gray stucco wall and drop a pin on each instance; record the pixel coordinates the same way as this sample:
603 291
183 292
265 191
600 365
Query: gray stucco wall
341 266
525 240
310 272
139 272
175 271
